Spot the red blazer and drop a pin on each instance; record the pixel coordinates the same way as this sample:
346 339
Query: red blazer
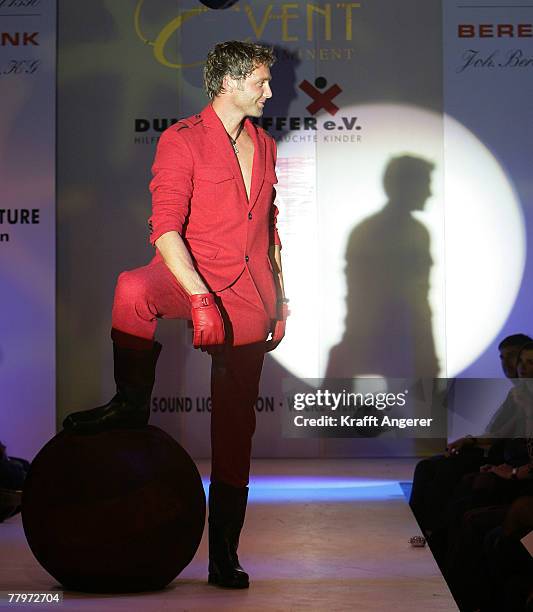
198 191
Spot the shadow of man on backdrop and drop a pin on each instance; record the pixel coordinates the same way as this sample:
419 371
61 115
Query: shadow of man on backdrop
388 329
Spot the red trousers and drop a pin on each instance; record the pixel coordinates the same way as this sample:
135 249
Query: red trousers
145 294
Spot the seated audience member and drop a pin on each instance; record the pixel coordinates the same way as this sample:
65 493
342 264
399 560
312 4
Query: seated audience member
12 475
510 478
482 500
436 477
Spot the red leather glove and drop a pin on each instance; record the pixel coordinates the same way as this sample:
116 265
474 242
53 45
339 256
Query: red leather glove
278 331
206 320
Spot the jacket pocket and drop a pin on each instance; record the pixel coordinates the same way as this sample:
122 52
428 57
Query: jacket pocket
213 174
212 184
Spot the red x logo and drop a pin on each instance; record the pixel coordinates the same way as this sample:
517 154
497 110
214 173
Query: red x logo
321 99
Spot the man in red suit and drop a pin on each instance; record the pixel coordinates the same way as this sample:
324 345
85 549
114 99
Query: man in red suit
218 263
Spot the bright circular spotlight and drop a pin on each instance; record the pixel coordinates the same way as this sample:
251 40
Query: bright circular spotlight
473 218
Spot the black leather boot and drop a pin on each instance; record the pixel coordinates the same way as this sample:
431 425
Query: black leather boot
130 407
227 507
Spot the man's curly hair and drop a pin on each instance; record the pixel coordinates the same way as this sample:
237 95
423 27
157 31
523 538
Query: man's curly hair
236 59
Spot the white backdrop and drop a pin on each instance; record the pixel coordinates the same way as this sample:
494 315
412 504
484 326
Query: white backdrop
27 225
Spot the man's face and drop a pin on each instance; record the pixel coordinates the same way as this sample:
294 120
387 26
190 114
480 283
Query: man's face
508 358
250 94
525 364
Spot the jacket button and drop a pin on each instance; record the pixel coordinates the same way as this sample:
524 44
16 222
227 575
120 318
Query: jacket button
246 258
249 215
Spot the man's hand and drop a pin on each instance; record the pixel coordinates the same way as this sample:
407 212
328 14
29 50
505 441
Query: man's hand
207 321
455 448
525 472
278 329
503 471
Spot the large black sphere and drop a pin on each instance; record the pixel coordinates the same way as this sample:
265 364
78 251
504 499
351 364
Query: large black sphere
117 511
218 4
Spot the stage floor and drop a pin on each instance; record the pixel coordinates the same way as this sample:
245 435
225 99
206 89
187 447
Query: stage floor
319 535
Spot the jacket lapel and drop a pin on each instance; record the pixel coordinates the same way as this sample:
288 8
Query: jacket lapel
258 168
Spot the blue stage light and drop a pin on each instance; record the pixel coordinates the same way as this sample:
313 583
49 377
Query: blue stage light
320 489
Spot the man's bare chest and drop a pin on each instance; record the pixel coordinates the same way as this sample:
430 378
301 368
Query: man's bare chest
245 157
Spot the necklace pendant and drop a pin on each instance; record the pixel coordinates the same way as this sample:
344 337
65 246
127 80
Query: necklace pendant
234 140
